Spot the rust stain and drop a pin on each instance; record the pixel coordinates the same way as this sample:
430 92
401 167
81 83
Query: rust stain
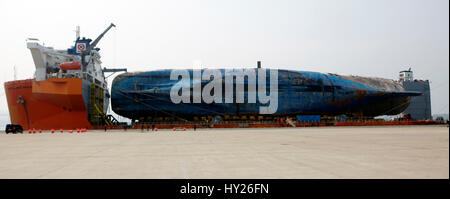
360 94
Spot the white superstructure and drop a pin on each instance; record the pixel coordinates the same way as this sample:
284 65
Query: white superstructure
49 62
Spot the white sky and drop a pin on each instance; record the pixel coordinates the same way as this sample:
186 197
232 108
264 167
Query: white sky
376 38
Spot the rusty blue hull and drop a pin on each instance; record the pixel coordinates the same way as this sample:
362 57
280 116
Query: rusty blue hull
147 94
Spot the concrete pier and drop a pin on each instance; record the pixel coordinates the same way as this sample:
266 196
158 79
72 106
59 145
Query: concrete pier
313 152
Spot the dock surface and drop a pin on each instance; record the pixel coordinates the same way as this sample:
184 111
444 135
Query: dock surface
311 152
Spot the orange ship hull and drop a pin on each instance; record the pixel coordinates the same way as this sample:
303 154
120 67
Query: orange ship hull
48 104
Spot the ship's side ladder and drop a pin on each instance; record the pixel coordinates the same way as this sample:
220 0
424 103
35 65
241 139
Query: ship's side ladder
96 115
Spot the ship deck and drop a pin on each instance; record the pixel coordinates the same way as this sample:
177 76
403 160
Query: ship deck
313 152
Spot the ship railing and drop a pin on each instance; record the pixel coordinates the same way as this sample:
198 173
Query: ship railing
62 75
53 75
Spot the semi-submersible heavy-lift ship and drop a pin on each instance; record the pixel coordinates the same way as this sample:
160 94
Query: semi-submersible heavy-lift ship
70 91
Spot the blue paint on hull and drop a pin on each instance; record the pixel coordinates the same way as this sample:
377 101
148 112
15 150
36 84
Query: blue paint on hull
146 94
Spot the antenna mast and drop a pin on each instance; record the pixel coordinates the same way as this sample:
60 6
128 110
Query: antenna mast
77 32
15 73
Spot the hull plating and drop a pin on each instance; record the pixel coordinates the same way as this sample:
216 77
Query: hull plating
146 94
48 104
